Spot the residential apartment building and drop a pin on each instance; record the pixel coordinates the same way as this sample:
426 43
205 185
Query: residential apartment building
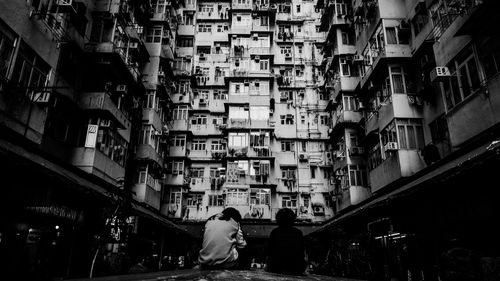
413 89
393 84
85 94
249 127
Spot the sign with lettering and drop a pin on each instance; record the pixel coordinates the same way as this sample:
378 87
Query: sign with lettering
91 136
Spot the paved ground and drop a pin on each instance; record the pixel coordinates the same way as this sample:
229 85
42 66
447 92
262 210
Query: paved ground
209 275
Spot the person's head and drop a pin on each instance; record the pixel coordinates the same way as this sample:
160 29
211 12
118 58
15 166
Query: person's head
285 217
231 213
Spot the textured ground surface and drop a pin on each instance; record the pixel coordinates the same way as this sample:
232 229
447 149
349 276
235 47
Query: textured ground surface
209 275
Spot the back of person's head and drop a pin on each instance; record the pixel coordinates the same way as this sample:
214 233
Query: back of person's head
231 213
285 217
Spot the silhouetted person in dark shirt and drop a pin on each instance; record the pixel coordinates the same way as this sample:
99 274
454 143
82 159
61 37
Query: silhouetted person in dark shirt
286 252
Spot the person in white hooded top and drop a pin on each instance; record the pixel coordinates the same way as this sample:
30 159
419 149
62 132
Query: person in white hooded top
221 239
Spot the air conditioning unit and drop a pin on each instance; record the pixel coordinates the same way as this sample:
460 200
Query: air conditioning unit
257 58
203 101
303 157
161 73
133 45
288 55
302 93
121 88
390 146
202 56
440 73
283 96
105 123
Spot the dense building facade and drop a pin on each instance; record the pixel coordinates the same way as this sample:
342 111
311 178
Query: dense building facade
85 95
249 127
413 89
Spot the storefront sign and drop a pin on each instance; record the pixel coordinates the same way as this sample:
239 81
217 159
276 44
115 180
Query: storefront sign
55 211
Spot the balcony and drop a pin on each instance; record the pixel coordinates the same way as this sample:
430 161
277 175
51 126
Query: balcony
346 84
204 130
241 6
95 162
147 194
179 125
120 52
260 51
260 151
241 98
344 116
235 123
102 102
167 51
151 116
186 30
342 49
401 163
147 152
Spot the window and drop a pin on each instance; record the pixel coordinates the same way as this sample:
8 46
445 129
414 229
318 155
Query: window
180 113
111 144
154 35
287 146
358 175
160 6
194 200
286 50
345 67
197 172
220 95
264 64
287 119
259 139
141 179
299 47
313 172
304 146
236 197
464 78
175 168
199 120
6 49
439 130
288 173
204 28
216 200
198 145
289 201
397 35
238 139
151 100
260 197
374 156
184 41
302 119
29 70
187 18
323 120
298 8
264 21
410 133
348 38
350 103
178 141
489 55
218 145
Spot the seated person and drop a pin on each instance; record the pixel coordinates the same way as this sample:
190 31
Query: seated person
286 251
221 237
